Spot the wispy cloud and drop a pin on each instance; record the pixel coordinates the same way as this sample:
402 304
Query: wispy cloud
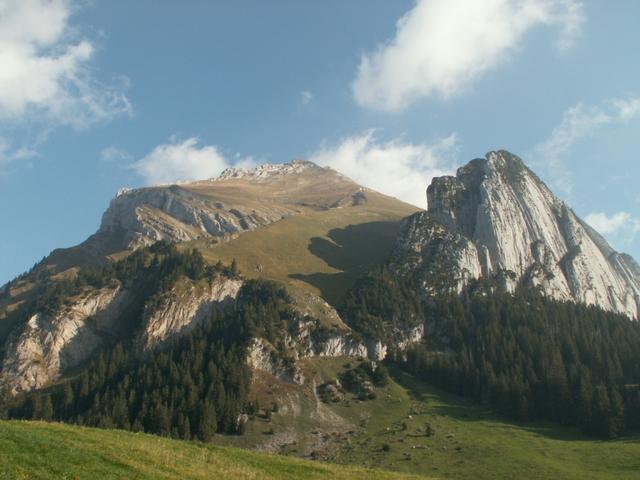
184 160
397 168
46 72
305 97
621 227
113 154
578 122
442 46
10 155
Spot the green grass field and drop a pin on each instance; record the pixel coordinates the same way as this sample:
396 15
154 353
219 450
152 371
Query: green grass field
37 450
467 442
470 442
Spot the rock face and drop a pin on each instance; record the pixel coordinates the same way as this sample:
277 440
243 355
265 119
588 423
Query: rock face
306 340
176 214
185 307
47 345
497 219
238 200
267 171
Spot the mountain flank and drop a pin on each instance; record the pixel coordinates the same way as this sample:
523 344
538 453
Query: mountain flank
496 219
289 291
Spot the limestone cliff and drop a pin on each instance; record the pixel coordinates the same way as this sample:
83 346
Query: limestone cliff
497 219
238 200
47 345
185 306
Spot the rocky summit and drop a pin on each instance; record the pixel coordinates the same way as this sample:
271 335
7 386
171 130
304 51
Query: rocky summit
238 200
496 219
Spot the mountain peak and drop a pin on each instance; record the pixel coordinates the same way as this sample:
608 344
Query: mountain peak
268 170
501 162
501 220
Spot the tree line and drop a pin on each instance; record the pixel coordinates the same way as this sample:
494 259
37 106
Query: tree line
193 386
524 354
531 357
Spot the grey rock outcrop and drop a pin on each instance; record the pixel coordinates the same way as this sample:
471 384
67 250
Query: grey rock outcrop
48 345
175 214
185 307
497 219
238 200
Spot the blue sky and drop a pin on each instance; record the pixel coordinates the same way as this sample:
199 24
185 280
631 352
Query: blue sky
95 96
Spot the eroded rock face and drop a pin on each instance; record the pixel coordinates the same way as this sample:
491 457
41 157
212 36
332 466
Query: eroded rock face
268 171
307 340
47 346
186 306
175 214
497 219
261 355
238 200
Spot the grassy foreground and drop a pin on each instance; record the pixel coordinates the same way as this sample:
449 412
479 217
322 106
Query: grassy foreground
48 450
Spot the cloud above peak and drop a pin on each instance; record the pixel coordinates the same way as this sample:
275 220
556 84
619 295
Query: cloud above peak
397 168
184 160
442 46
578 122
621 227
46 72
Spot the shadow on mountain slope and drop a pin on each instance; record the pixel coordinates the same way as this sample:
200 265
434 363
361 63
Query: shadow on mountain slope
353 250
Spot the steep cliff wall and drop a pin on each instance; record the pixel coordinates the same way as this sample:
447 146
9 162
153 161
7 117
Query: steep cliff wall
48 345
497 219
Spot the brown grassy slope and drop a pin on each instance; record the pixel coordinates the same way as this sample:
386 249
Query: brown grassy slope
321 252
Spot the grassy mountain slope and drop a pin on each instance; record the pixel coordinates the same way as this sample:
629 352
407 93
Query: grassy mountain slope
322 252
471 442
38 450
468 440
331 231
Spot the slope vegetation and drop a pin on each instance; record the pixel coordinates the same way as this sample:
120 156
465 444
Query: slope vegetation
321 252
415 427
38 450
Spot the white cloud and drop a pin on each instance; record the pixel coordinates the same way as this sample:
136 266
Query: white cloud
621 227
442 46
396 168
114 154
606 224
46 72
9 155
305 97
578 122
626 109
176 161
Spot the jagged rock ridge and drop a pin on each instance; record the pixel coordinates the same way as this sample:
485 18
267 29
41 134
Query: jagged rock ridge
497 219
238 200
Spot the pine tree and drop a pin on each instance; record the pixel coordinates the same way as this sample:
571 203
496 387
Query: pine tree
208 421
68 397
47 408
